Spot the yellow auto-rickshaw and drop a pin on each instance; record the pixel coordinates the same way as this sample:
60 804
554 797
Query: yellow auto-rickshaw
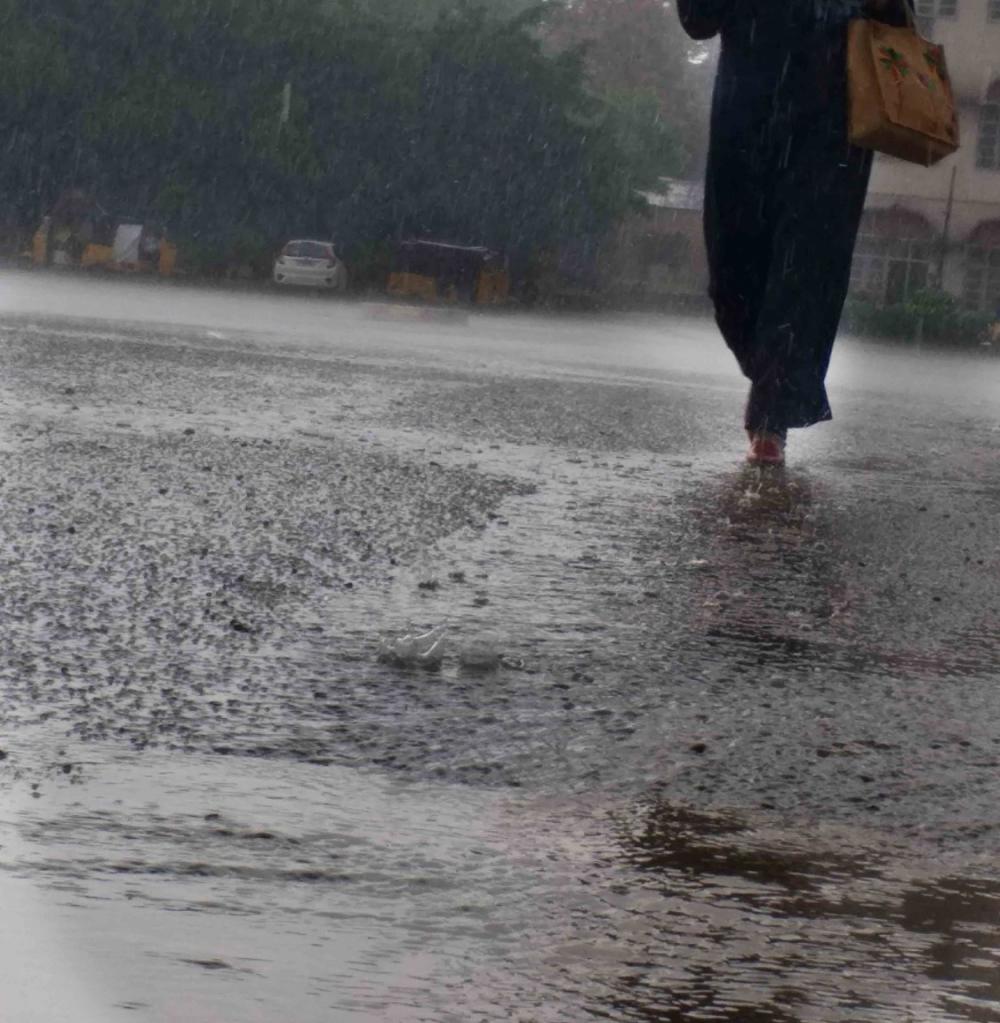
80 233
438 272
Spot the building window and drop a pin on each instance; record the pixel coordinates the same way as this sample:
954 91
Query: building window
982 277
993 10
890 270
930 9
988 143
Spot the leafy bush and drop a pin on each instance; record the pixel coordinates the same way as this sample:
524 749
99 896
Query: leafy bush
930 315
368 264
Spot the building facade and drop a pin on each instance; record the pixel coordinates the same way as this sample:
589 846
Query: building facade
924 227
658 256
940 226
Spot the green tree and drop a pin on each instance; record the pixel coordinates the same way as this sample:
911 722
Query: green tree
461 127
640 60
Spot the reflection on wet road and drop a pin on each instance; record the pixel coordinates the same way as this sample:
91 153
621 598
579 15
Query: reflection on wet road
738 761
181 889
808 929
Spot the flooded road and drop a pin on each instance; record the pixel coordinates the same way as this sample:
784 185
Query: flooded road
736 760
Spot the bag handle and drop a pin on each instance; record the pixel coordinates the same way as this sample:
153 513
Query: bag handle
911 17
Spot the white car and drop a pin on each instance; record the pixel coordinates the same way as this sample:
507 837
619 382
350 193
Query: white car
310 264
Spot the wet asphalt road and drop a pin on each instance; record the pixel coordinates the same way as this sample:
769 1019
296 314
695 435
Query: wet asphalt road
752 717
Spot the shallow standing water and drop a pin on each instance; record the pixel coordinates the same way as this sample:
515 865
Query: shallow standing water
738 764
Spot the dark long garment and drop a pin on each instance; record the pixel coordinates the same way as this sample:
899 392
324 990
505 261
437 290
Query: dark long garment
784 193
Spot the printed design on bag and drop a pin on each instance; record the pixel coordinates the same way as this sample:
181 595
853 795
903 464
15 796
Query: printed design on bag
895 61
935 61
910 112
928 83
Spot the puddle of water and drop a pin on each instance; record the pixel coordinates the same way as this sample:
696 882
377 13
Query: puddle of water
190 891
661 912
168 888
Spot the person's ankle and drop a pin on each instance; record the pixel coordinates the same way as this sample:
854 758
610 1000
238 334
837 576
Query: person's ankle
767 447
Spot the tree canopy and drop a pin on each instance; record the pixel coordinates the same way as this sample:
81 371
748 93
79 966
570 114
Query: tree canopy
457 124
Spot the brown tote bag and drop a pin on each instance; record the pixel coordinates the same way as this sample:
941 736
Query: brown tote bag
899 95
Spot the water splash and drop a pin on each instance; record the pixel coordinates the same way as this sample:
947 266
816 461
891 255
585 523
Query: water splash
414 650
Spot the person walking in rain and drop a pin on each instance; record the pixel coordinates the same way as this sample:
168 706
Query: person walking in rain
784 192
